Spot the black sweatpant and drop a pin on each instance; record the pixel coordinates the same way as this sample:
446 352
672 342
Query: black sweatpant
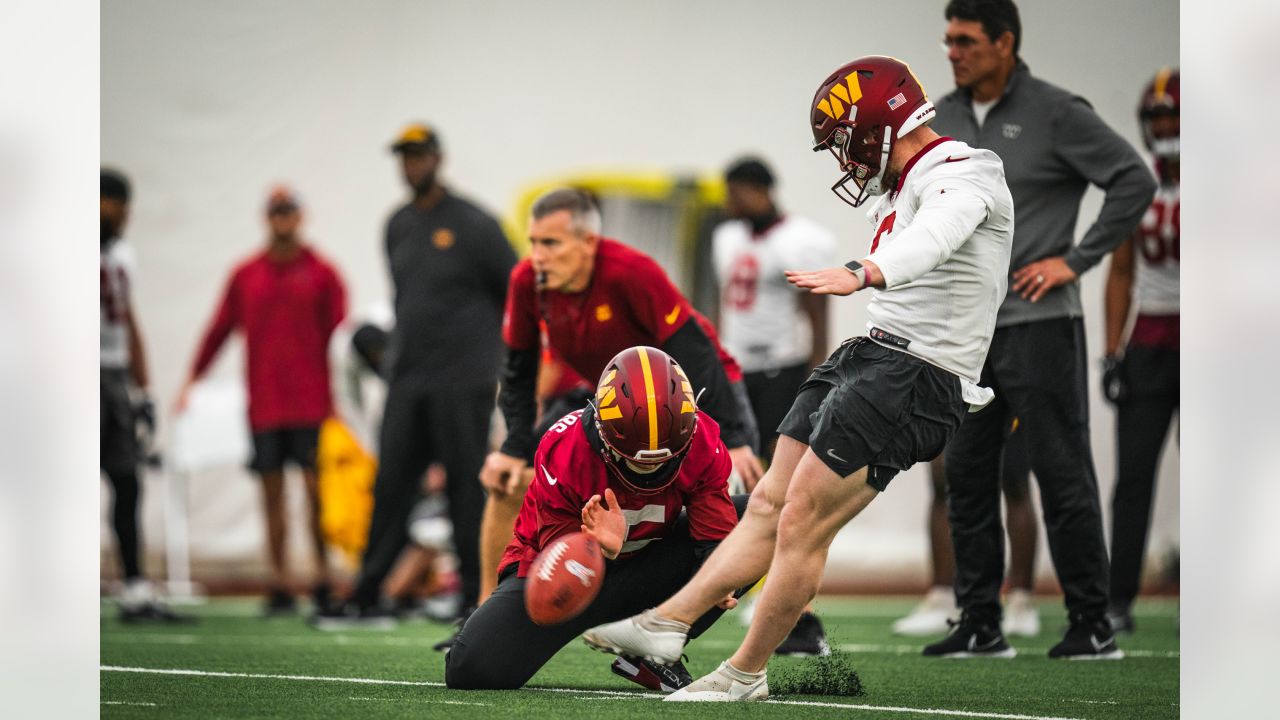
500 648
118 459
421 425
1037 370
1142 424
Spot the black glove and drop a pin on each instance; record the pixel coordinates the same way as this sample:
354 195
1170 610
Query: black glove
1114 385
144 419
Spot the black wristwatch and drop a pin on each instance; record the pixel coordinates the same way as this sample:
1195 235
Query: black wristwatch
858 271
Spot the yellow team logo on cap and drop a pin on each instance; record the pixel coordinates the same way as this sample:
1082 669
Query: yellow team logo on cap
833 105
443 239
604 313
414 134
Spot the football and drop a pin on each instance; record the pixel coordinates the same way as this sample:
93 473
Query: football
564 579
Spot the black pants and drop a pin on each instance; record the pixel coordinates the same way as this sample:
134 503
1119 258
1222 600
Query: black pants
501 648
422 425
771 393
1038 372
1142 424
118 459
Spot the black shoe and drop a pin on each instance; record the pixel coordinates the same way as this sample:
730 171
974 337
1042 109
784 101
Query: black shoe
279 602
447 644
1088 639
972 638
663 678
321 597
352 616
1121 621
807 639
153 612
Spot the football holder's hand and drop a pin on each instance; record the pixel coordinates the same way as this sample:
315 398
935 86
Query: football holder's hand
607 525
501 472
1114 386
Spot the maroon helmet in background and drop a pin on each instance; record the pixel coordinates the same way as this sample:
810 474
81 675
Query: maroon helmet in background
1161 98
859 112
646 415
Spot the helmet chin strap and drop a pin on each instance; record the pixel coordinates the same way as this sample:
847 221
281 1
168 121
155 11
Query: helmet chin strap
874 185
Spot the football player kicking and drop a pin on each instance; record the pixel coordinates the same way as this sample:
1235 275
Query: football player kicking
939 266
643 471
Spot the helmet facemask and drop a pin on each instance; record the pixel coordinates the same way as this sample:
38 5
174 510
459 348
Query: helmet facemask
646 473
1163 146
861 160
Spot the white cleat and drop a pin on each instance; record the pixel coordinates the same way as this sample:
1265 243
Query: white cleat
930 616
725 684
1021 616
646 635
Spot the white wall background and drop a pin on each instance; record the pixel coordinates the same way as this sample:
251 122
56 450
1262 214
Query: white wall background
207 105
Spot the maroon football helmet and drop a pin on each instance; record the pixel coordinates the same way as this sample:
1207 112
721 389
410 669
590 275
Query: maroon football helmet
1161 98
859 112
646 414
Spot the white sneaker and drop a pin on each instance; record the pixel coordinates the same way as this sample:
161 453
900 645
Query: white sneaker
646 635
136 594
931 615
1021 616
726 684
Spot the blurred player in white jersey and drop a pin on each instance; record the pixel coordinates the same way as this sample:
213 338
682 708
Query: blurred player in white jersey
126 415
1142 378
778 335
938 262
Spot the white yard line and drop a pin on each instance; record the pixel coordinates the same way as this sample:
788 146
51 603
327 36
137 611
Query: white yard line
312 639
123 702
429 702
609 694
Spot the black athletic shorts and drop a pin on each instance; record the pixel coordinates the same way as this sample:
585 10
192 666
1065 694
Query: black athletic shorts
118 435
870 406
272 448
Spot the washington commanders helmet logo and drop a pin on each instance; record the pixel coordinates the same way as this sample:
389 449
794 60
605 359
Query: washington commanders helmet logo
833 105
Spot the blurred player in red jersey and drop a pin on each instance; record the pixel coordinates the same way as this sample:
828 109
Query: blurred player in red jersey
1143 380
287 300
642 470
596 297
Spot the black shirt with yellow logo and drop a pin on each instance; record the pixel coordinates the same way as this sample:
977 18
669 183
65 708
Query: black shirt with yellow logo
449 269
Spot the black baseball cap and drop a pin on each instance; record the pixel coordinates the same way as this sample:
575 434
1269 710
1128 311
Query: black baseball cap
114 185
417 137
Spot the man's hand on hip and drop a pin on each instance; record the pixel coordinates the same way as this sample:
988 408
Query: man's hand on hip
501 472
1034 280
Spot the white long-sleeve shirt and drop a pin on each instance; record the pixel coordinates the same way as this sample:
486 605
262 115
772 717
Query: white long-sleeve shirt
942 241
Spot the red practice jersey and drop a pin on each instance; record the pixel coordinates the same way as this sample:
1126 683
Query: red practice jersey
287 312
629 302
568 471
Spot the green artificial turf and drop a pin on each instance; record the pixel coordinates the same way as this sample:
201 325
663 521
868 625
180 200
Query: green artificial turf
896 682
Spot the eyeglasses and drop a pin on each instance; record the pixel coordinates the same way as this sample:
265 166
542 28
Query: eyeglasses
960 42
